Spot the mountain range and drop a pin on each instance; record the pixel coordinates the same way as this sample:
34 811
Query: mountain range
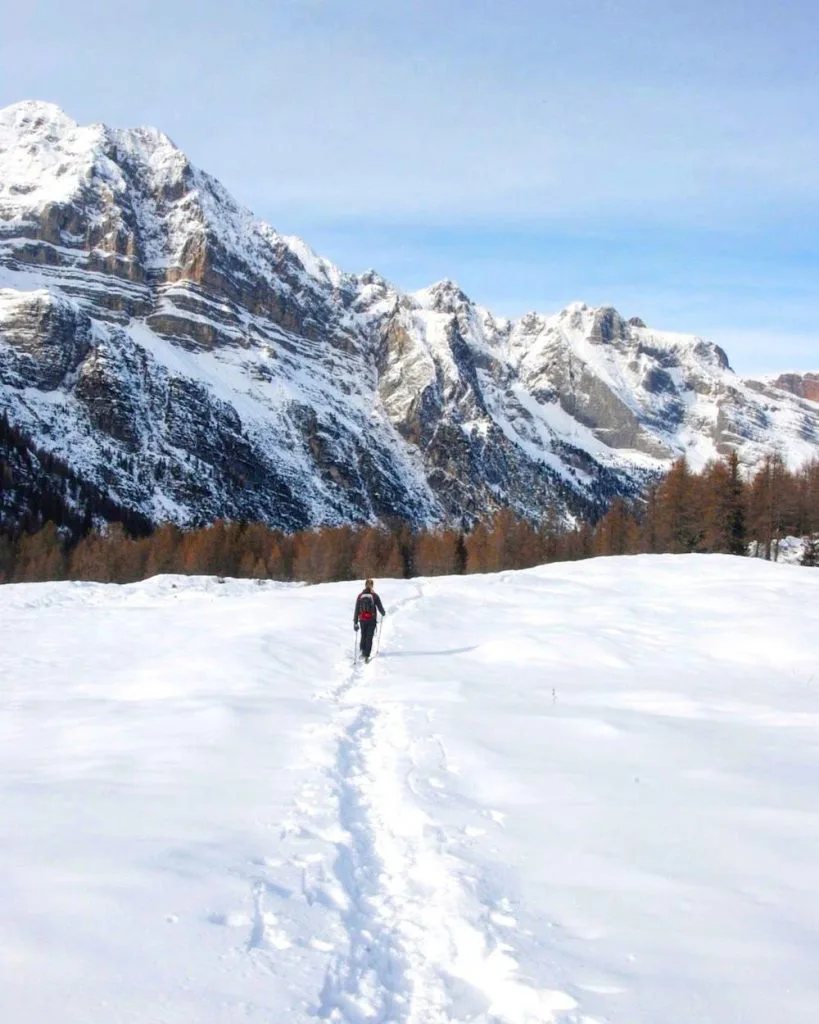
188 361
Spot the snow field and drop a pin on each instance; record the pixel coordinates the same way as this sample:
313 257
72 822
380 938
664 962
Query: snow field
579 794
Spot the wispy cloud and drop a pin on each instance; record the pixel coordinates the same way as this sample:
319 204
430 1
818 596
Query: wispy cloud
659 155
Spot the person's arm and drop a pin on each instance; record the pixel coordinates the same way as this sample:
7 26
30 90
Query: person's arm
378 604
356 610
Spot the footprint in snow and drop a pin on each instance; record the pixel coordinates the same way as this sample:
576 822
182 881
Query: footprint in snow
237 919
504 920
321 945
473 832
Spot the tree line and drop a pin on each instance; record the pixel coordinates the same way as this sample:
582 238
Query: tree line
37 488
716 511
712 511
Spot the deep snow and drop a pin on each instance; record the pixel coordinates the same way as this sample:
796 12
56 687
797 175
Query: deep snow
586 792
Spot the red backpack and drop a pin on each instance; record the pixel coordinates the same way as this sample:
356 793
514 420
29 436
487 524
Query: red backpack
366 607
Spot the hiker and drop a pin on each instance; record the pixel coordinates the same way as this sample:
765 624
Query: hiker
367 606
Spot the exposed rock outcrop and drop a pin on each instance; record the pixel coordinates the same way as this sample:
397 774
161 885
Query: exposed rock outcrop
805 385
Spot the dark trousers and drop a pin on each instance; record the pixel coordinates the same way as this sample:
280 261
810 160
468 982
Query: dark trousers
367 634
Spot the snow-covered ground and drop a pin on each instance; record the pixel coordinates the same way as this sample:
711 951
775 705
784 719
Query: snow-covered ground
587 792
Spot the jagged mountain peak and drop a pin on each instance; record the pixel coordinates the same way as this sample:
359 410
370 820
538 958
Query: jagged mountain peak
48 121
319 267
184 356
444 296
606 327
575 308
44 156
36 117
151 150
153 139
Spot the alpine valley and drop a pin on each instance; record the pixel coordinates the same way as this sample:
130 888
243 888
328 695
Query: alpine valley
187 361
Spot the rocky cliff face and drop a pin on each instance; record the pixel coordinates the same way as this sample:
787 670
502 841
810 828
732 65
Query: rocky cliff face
194 363
805 385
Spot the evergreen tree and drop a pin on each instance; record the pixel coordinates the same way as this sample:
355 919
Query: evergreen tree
723 505
737 532
810 551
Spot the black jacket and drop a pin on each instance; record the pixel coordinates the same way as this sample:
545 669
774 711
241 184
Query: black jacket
376 601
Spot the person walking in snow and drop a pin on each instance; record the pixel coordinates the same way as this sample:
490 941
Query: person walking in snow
367 606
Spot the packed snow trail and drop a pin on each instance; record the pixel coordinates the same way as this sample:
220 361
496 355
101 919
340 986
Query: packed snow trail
584 793
411 955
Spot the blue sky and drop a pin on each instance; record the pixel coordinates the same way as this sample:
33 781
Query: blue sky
659 157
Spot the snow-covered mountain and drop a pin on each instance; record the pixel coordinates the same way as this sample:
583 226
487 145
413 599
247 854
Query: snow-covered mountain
184 356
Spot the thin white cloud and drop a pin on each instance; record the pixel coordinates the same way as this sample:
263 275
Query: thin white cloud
623 117
517 110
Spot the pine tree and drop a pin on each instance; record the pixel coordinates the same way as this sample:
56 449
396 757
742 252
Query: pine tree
810 551
737 531
723 505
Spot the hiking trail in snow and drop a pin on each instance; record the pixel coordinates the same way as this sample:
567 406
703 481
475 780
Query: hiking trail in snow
416 946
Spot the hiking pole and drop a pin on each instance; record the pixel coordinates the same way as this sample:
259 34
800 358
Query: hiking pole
378 638
355 648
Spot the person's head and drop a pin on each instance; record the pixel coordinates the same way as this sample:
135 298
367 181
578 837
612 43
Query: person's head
368 584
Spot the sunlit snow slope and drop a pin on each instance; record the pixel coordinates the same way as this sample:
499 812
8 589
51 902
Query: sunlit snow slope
583 793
